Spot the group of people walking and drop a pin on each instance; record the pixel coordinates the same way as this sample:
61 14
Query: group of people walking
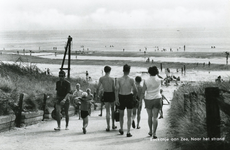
124 93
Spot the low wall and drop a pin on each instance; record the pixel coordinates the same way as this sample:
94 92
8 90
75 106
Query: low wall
7 122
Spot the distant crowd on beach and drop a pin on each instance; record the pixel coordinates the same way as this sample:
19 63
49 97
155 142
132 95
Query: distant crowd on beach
117 95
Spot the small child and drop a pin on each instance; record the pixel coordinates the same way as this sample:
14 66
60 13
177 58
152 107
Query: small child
85 103
163 98
137 108
90 96
101 97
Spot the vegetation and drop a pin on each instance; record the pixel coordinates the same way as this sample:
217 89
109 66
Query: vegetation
187 126
33 83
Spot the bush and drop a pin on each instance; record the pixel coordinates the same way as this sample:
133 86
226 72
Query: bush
16 79
180 121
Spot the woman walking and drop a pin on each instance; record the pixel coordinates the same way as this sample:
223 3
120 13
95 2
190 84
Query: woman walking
151 90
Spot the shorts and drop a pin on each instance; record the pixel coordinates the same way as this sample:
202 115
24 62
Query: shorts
126 101
138 105
109 97
154 103
84 114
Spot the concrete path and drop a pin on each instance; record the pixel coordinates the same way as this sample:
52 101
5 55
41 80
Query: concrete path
42 136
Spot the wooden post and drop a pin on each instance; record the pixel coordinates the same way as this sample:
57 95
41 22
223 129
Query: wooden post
213 117
67 48
19 114
212 112
44 106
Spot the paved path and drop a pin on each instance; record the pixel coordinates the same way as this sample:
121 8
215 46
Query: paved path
42 136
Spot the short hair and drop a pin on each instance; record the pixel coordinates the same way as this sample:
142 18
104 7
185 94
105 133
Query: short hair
88 89
153 71
61 73
126 68
107 69
138 79
78 84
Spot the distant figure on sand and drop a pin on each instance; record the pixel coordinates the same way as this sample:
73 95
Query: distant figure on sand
151 91
63 90
48 71
87 75
108 85
138 106
218 80
126 91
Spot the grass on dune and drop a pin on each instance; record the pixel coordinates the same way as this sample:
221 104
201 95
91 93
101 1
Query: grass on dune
181 125
33 83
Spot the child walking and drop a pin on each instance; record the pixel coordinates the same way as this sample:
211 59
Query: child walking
162 99
137 108
85 103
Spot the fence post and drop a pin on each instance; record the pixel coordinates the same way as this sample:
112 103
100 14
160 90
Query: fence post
19 114
212 115
44 106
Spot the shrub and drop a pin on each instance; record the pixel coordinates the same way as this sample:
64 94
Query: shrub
180 121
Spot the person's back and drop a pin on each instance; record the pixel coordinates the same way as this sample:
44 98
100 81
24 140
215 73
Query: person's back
107 83
85 104
126 85
153 87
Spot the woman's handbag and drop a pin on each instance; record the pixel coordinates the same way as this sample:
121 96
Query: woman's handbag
117 114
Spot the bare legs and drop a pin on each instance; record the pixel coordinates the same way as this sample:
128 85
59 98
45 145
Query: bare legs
136 112
152 121
58 115
129 118
109 107
85 124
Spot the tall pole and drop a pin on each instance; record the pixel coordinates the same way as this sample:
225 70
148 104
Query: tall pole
67 48
69 41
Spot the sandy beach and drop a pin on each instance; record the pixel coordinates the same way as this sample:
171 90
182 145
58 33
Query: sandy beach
95 62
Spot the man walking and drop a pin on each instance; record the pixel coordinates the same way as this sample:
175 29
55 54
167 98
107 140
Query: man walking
63 91
126 91
107 84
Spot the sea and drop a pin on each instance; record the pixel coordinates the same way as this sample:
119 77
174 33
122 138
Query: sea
198 40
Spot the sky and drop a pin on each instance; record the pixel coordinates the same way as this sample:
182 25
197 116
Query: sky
113 14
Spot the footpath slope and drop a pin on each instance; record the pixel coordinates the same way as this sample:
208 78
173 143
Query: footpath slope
42 136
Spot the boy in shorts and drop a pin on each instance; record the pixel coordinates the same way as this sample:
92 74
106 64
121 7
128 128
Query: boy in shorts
163 98
108 85
138 106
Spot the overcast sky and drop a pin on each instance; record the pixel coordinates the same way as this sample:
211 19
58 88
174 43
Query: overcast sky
112 14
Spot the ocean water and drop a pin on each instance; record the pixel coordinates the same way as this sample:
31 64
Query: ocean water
199 40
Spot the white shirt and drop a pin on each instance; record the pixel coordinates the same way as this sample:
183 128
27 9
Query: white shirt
153 85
